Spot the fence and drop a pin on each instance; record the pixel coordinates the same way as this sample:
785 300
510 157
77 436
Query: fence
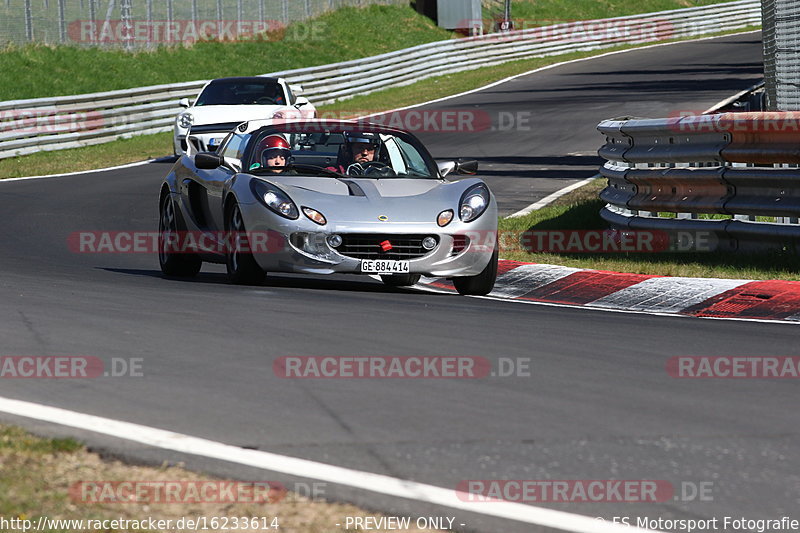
66 122
782 54
136 24
732 175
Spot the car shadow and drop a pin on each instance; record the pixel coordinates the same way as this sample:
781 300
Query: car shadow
278 281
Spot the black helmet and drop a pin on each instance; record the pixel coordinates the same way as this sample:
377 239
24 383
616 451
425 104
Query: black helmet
351 137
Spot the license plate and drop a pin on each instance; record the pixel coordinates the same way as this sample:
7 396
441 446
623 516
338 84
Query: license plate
214 142
384 266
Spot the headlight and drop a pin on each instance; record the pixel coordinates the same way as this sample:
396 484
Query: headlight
275 199
473 202
185 120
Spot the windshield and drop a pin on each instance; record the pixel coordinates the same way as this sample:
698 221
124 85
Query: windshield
343 152
238 92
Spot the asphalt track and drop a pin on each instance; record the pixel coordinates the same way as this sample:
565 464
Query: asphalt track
597 405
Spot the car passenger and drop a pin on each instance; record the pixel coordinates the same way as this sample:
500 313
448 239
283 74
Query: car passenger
275 154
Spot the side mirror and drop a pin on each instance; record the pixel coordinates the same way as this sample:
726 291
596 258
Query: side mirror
208 160
184 102
466 166
459 166
300 102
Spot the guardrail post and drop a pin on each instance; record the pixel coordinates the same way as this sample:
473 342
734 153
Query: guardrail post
93 19
62 22
28 21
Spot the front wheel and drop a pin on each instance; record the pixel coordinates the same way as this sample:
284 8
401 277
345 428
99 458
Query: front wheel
400 280
173 263
242 267
481 284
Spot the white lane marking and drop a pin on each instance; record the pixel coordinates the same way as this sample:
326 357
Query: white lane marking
668 295
526 278
127 165
552 197
731 99
293 466
554 65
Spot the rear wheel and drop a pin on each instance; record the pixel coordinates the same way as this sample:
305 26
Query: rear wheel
400 280
173 263
481 284
242 266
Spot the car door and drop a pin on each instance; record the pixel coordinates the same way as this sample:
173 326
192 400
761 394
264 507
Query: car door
203 191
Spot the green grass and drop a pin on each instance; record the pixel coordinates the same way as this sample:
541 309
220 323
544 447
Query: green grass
110 154
348 33
13 439
580 210
543 12
42 477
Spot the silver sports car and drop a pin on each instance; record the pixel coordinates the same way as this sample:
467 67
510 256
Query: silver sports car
322 197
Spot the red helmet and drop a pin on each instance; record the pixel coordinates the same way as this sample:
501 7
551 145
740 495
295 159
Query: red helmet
273 145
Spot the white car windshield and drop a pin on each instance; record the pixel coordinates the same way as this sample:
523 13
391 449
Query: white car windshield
350 153
236 92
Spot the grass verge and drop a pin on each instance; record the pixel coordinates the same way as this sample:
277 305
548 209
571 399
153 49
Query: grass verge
580 210
37 475
146 146
348 33
527 13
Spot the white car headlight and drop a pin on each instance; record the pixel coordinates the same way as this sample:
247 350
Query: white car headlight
275 199
185 120
473 202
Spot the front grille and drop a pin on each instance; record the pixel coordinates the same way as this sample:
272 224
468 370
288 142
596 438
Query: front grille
368 246
223 127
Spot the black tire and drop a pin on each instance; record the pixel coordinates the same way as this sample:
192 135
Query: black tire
173 264
400 280
481 284
242 267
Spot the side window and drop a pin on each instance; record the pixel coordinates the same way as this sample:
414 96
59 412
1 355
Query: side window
234 150
224 143
235 147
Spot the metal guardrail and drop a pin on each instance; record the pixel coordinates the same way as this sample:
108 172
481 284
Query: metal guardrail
733 175
66 122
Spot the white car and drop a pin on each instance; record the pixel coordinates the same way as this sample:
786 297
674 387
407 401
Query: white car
224 103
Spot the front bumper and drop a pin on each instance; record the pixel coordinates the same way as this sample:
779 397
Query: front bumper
450 258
